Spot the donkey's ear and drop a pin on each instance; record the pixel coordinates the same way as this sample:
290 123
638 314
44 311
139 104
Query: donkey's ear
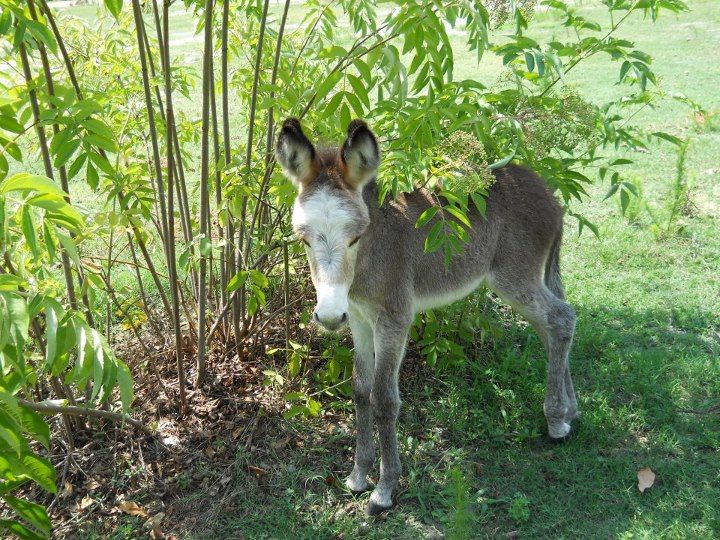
360 155
295 153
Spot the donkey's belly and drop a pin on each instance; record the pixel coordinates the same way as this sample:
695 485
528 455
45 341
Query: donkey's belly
443 296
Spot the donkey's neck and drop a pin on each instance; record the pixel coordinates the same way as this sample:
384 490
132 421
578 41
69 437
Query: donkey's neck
371 194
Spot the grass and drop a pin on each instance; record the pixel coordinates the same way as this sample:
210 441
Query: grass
646 354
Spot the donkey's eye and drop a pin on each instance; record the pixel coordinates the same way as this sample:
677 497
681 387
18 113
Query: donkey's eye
355 241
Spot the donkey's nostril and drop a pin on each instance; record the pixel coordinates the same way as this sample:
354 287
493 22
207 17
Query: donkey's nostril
343 319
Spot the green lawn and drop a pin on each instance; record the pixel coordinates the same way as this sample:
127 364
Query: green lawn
646 353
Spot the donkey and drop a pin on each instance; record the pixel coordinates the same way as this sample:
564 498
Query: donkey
370 270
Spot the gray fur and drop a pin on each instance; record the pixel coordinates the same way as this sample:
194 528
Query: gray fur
513 249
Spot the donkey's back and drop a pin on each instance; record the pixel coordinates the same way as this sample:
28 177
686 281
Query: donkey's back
514 242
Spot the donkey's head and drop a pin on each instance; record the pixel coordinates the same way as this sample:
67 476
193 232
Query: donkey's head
330 215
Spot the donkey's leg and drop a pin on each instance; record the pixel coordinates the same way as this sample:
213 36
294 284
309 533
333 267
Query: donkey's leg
560 405
390 340
554 321
363 375
573 411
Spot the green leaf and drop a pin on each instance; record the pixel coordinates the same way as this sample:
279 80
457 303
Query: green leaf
480 202
426 216
98 363
670 138
42 34
106 144
294 411
114 7
99 128
237 281
19 530
458 214
76 166
8 123
18 317
4 166
41 471
65 152
9 404
35 425
69 245
314 407
35 514
92 177
51 327
28 228
504 161
31 182
10 434
125 383
359 89
624 200
59 211
433 241
530 61
10 282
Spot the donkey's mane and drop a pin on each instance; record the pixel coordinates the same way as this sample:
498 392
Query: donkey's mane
328 153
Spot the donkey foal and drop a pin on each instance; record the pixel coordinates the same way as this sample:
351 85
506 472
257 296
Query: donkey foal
370 270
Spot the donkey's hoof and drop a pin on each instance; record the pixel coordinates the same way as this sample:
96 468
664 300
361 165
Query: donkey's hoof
378 504
374 509
559 432
357 485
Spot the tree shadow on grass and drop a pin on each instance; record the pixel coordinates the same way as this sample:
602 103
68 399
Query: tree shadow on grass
637 374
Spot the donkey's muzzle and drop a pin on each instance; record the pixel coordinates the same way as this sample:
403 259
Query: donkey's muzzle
330 322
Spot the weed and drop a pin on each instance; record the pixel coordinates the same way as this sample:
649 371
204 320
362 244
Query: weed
519 509
461 517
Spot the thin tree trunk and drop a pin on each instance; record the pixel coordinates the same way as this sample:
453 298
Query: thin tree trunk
218 193
204 189
159 184
172 267
269 161
248 159
230 250
286 298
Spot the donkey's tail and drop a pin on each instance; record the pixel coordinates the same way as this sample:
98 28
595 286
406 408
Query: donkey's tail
552 268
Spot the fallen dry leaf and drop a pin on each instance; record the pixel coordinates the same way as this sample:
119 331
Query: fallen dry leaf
257 471
85 502
646 479
154 524
331 480
155 521
281 443
92 485
131 508
66 490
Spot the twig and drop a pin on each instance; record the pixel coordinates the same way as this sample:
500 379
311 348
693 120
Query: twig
708 410
52 408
